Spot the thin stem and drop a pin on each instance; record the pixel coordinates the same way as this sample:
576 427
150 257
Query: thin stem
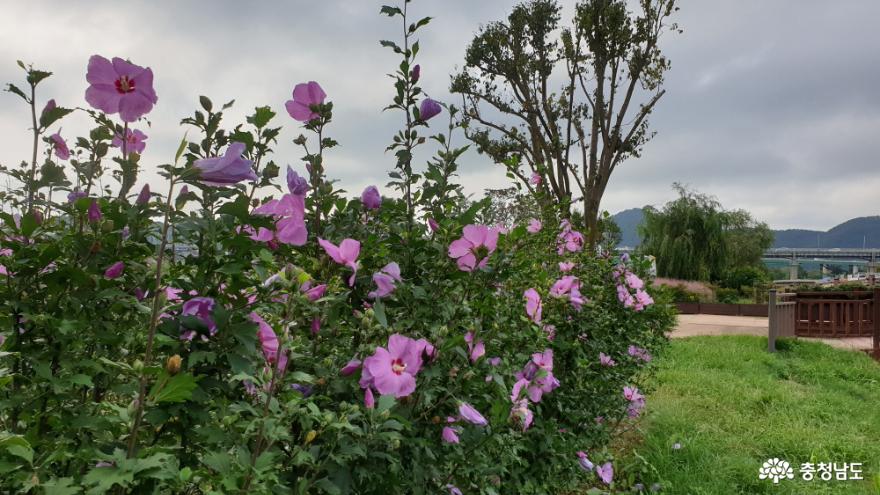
36 129
154 319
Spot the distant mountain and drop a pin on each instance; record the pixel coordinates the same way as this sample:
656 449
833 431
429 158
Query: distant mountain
628 221
854 233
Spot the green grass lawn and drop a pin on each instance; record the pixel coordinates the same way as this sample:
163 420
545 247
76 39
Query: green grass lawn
732 405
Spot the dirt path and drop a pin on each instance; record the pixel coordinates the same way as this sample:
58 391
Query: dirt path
692 325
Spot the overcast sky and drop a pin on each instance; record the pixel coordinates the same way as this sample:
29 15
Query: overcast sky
771 105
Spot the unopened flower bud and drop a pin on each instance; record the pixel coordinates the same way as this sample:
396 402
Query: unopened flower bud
172 366
310 436
138 365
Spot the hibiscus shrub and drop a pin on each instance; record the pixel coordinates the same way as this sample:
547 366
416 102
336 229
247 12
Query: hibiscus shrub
211 339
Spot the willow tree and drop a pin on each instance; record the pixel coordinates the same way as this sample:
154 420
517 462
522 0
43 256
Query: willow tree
695 238
567 104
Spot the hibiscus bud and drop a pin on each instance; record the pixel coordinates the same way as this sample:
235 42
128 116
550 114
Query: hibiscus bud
144 196
94 212
435 420
172 366
415 73
453 372
299 140
371 199
321 382
310 436
138 365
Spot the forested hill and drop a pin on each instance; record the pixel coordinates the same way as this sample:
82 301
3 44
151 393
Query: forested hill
854 233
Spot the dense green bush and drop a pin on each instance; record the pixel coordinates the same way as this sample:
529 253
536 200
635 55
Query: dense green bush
205 341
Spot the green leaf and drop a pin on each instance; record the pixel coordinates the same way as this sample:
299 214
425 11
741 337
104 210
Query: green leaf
390 11
17 445
53 115
391 44
385 403
261 117
11 88
180 149
379 311
35 76
178 389
60 486
206 103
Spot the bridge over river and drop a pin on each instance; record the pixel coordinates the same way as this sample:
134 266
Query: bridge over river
855 258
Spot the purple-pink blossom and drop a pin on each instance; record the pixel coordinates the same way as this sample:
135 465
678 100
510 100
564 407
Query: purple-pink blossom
472 250
533 305
639 352
370 198
605 360
534 226
449 435
313 293
60 146
385 280
114 271
584 462
636 401
605 472
134 141
476 347
470 414
269 342
569 239
350 367
229 169
94 213
392 371
535 179
536 378
297 185
429 108
566 266
120 86
290 224
345 254
433 225
202 308
305 97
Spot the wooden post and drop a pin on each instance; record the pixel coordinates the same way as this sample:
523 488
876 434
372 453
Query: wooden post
876 322
772 323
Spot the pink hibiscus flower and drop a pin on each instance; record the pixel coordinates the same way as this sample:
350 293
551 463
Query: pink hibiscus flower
472 250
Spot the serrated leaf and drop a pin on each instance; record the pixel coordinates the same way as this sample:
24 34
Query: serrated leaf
178 388
49 117
11 88
390 11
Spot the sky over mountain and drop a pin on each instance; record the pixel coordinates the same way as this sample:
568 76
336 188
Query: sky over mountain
771 106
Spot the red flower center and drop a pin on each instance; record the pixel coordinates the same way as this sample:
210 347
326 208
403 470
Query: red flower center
124 85
398 366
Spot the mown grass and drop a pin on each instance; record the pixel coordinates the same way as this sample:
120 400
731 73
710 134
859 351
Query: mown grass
732 405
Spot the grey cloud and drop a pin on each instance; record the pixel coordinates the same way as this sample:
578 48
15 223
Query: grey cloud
771 106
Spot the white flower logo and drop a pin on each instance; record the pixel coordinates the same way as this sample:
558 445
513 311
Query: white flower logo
776 469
